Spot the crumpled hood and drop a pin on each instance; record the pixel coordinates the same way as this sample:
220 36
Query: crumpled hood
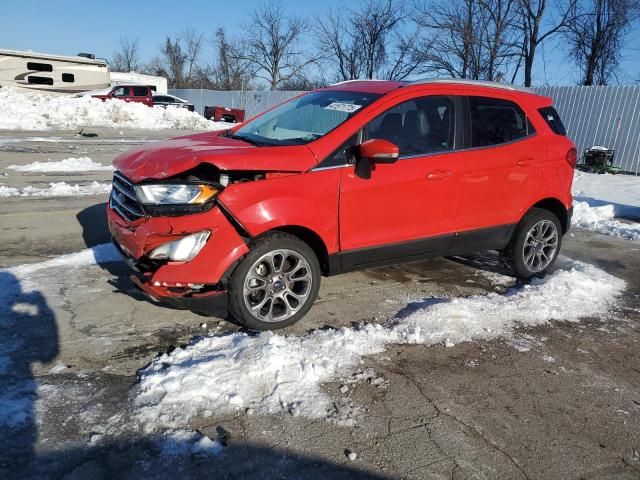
164 159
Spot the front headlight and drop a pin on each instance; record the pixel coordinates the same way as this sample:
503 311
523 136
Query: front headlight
175 194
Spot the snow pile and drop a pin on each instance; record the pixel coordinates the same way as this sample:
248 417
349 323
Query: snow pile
57 189
600 199
601 219
81 164
622 191
28 110
269 373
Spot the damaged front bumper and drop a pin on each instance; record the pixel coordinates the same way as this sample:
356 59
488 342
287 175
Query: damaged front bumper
197 284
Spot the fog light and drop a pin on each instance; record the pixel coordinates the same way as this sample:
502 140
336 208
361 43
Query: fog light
181 250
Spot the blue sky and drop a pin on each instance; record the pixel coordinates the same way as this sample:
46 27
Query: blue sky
72 26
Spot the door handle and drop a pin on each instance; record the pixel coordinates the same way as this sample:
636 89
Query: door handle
525 162
439 174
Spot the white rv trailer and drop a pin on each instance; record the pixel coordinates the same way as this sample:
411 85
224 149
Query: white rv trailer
52 73
157 84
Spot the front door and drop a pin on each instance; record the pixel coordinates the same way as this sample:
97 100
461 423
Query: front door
408 207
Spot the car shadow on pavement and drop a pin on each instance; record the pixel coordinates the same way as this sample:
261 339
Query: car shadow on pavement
93 221
29 335
159 459
487 260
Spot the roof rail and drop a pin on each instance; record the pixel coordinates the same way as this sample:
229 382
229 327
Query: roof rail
479 83
359 80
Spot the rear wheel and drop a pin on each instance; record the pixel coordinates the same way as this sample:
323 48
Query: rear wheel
535 244
276 284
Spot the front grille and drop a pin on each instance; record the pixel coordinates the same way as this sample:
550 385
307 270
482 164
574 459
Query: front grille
124 200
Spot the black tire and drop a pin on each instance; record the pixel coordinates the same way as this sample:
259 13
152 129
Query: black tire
513 256
261 246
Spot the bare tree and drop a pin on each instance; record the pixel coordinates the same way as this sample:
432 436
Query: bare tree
274 44
127 57
233 70
596 37
339 46
375 40
534 31
375 22
472 39
179 61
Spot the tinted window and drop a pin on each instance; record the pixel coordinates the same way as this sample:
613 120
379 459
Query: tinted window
41 67
68 77
553 120
419 126
121 92
140 91
40 80
158 98
495 121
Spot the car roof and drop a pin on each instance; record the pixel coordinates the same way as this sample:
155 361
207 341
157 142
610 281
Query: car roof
385 86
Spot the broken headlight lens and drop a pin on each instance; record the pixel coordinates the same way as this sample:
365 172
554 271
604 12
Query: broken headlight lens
175 194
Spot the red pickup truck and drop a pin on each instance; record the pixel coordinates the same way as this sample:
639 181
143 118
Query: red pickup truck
128 92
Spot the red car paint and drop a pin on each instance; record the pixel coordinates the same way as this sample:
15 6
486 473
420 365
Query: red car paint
130 93
450 197
224 114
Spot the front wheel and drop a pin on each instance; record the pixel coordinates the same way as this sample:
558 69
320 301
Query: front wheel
535 245
276 284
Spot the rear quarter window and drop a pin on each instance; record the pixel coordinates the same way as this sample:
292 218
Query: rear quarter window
495 121
551 117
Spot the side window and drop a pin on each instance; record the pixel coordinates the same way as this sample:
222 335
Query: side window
419 126
140 91
495 121
121 92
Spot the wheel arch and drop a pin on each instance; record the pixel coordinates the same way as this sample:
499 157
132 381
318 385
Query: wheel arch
556 207
312 239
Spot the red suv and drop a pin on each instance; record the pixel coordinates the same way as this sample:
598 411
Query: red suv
356 175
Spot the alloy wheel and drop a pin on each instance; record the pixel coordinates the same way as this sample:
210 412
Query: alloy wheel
540 245
277 285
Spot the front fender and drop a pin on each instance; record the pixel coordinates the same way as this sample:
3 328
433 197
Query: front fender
308 200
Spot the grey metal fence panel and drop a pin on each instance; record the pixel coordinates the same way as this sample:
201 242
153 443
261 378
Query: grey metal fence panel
253 102
606 116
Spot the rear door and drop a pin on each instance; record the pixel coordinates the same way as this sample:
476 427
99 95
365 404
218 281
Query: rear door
502 165
142 95
408 207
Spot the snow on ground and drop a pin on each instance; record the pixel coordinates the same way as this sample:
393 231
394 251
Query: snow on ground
57 189
622 191
600 199
81 164
29 110
602 219
271 373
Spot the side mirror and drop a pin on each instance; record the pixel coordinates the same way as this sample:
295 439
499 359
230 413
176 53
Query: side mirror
379 151
374 151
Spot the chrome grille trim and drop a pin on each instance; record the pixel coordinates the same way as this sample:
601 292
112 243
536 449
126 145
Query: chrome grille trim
124 200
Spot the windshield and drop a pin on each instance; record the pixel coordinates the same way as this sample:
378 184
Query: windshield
305 118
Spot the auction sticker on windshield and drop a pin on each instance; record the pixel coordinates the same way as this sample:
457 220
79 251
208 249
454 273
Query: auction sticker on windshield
343 107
